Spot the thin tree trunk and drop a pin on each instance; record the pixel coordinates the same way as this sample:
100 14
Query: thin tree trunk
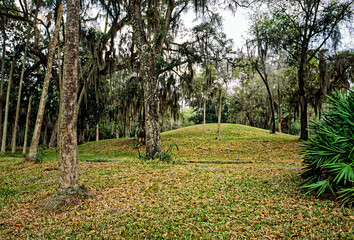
14 132
53 137
4 133
27 124
45 135
81 97
279 111
204 111
68 152
106 21
97 132
59 62
2 76
219 114
304 134
56 138
36 32
265 81
37 129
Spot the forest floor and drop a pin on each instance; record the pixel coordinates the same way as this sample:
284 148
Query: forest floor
244 186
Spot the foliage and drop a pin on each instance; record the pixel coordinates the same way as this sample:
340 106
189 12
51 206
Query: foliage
211 115
329 154
166 156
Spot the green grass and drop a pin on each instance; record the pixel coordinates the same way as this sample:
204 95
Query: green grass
255 195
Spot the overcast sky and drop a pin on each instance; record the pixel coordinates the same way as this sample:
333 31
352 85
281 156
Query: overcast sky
235 25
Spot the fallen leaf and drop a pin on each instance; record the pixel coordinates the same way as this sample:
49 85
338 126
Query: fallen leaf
91 232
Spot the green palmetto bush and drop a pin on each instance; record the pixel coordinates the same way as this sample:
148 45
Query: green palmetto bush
329 154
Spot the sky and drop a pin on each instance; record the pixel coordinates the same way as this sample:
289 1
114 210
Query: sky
235 24
236 27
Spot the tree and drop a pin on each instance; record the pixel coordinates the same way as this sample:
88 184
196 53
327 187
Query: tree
37 129
151 25
27 124
302 28
3 27
14 132
262 43
68 152
4 134
224 77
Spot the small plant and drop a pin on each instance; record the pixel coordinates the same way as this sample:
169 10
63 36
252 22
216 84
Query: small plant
168 155
164 156
39 157
329 154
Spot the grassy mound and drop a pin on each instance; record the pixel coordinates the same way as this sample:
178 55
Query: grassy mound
198 143
255 195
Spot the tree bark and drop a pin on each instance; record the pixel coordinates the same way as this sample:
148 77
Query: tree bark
37 129
304 134
14 132
219 114
68 152
54 135
271 102
127 128
97 132
45 134
2 76
279 111
150 38
204 111
27 124
4 133
151 103
36 32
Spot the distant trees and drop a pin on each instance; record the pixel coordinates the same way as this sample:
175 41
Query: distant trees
302 30
135 74
41 108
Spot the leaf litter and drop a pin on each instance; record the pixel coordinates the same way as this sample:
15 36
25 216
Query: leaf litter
197 198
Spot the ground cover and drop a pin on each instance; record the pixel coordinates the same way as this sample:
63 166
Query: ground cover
244 186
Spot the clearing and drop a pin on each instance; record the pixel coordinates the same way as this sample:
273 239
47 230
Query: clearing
244 186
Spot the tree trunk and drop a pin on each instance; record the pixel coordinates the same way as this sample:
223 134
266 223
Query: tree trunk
271 107
4 133
219 113
53 137
36 32
204 111
151 105
265 81
150 43
304 134
27 124
127 129
97 132
2 75
14 132
81 97
68 152
279 111
45 135
37 129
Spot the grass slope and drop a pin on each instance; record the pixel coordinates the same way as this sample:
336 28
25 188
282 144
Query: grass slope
255 195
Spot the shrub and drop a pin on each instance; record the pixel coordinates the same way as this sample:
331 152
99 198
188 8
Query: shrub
329 153
167 156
